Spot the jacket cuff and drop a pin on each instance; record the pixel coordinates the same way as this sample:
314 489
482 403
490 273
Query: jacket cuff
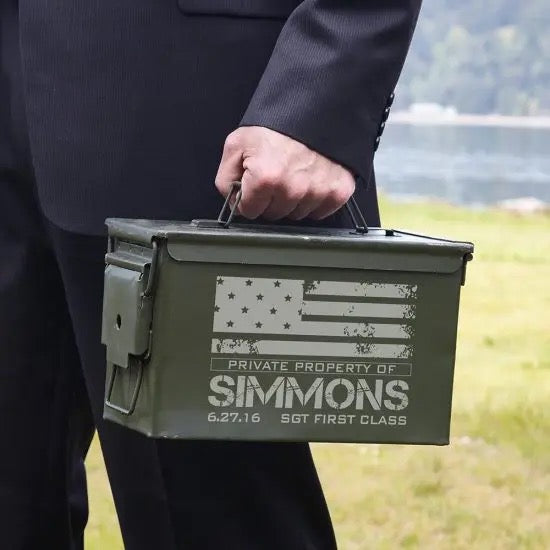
337 137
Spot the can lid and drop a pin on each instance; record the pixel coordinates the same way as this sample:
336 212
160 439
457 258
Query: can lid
144 231
290 245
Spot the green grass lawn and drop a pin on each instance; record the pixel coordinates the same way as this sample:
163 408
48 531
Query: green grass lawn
490 489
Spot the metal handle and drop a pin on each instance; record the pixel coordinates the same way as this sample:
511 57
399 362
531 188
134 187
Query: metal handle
354 212
122 410
235 186
352 209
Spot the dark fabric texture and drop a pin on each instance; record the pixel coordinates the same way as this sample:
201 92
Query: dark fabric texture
169 495
129 101
240 8
189 495
330 75
127 106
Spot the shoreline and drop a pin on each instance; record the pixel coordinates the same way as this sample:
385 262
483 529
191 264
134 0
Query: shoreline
499 121
526 205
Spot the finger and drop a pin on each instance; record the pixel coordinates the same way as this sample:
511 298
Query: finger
278 209
306 206
231 165
255 197
286 198
333 201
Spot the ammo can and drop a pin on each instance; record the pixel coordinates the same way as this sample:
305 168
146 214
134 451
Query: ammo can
273 333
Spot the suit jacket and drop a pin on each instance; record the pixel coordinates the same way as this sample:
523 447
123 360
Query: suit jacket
128 102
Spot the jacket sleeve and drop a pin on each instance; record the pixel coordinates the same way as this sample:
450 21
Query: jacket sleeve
331 75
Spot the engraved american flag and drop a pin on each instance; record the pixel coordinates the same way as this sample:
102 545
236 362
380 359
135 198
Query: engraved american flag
266 316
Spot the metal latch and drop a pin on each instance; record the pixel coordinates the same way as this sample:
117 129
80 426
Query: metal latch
127 315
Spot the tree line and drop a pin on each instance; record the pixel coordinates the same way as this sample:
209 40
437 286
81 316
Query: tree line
488 56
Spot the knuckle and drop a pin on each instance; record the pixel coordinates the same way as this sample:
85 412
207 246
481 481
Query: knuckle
298 191
232 142
350 186
334 197
341 194
269 177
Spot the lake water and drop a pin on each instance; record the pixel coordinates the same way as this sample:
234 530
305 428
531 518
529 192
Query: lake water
464 164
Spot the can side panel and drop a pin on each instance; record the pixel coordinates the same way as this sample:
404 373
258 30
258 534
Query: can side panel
435 350
237 353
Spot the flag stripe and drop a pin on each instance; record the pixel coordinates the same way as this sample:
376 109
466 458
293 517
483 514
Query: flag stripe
320 328
358 309
314 349
361 290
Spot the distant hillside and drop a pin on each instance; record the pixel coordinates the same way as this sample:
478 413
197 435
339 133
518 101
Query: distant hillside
489 56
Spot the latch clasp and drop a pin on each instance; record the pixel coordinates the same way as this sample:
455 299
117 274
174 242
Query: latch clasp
127 315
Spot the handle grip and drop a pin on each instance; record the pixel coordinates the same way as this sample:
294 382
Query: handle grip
352 208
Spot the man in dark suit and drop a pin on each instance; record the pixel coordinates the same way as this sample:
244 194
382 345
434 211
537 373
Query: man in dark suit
122 108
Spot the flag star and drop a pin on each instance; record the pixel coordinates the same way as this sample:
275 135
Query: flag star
288 297
249 283
273 311
231 295
220 281
260 297
277 283
216 308
287 325
244 309
259 325
229 323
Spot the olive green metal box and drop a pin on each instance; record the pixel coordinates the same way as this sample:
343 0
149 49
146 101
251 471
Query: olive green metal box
280 334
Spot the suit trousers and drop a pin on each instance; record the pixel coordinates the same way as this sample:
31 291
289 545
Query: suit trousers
168 494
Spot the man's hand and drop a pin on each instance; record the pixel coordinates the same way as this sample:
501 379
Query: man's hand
281 177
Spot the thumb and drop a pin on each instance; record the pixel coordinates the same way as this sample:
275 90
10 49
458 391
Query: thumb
231 164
